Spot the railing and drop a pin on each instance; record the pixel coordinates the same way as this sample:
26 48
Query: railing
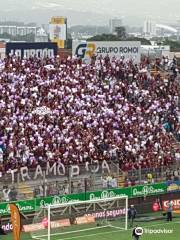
57 185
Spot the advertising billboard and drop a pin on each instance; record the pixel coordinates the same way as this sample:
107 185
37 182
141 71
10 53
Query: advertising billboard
175 203
28 206
44 223
58 30
173 186
128 49
38 49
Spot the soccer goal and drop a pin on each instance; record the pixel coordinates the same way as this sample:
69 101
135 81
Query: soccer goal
81 218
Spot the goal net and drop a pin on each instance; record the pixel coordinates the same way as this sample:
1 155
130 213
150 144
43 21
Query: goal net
80 218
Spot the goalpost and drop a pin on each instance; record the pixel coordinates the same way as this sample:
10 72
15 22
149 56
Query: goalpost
81 217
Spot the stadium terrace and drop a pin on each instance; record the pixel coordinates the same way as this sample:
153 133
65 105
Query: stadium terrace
108 110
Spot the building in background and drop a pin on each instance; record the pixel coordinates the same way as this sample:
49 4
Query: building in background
17 30
113 23
25 30
58 31
155 51
41 35
149 28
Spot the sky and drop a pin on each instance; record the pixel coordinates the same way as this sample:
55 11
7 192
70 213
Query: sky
93 12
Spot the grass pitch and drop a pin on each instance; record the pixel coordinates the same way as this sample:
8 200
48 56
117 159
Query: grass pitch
110 233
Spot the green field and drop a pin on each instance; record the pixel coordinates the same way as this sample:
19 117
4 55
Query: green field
110 233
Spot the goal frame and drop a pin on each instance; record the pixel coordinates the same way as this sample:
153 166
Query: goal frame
71 203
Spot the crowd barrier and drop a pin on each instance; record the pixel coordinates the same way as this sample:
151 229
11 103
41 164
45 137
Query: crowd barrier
52 185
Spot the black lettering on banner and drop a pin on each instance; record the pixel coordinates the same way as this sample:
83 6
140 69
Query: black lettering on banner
121 49
98 50
115 50
135 50
104 50
81 50
128 49
110 49
125 50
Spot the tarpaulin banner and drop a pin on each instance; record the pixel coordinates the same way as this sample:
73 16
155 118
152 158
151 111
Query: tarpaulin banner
27 50
35 204
127 49
173 186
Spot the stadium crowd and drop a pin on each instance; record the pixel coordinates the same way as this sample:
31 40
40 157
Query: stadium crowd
67 111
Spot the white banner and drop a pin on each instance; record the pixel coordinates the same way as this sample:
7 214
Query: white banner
128 49
57 31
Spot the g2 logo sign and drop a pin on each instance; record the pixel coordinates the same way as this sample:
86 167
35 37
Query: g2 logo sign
85 50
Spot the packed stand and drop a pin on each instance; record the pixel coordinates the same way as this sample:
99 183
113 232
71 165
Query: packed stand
106 110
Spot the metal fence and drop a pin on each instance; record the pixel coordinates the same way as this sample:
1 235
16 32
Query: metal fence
61 185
